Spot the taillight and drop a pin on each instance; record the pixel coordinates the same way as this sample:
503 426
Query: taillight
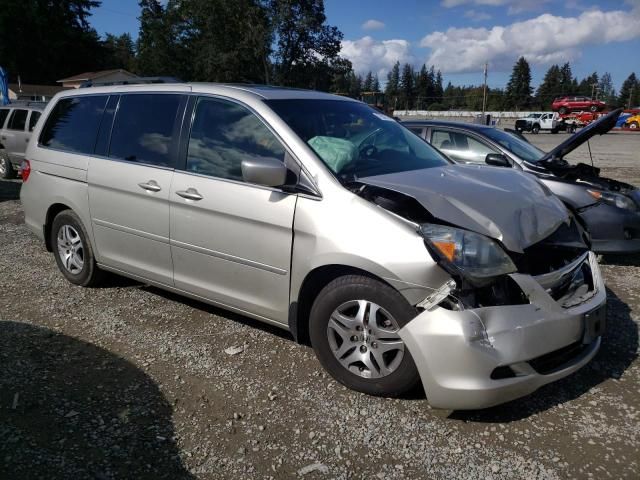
25 170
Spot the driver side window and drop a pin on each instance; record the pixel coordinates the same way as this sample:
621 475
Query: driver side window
460 147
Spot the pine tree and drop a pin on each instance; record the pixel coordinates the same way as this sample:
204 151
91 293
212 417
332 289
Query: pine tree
550 87
376 84
407 86
392 88
519 87
567 83
607 92
367 84
629 92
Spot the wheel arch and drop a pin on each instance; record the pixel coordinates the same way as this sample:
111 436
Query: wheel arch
52 211
313 283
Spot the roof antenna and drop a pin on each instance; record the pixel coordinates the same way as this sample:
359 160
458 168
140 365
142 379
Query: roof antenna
590 156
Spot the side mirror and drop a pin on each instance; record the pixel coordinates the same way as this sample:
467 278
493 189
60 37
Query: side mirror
269 172
497 160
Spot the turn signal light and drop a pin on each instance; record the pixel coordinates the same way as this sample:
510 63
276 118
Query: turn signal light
25 170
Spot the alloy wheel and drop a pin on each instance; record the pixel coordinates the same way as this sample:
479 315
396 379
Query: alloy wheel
70 249
364 339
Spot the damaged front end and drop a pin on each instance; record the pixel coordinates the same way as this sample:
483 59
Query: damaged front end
506 322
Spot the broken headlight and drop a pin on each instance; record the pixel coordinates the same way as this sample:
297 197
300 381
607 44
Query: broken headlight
614 199
474 256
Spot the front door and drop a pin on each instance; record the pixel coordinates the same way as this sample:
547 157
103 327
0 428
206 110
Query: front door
230 240
129 189
16 135
460 147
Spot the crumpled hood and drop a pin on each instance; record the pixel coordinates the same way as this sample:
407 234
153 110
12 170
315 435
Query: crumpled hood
506 205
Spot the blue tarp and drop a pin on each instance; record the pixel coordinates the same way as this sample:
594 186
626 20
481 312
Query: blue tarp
4 86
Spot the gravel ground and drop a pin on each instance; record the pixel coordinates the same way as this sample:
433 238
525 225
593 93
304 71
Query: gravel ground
127 381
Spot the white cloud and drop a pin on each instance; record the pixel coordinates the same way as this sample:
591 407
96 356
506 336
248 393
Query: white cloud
541 40
373 25
367 54
476 16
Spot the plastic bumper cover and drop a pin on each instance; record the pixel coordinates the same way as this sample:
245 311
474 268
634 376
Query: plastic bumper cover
457 351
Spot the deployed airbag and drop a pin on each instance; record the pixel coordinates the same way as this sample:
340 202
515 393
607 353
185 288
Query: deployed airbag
336 152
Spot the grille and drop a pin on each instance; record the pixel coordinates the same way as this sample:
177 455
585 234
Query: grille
553 361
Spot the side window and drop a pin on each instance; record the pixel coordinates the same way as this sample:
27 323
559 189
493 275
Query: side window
461 147
33 119
4 113
223 134
18 120
73 124
144 129
416 130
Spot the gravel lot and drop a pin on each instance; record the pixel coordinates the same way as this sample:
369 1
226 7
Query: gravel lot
127 381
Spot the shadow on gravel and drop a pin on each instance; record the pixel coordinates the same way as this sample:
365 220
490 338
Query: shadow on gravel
220 312
618 351
69 409
9 190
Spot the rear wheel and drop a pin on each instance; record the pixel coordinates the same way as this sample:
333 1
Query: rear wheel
72 250
354 325
634 125
593 108
6 169
563 110
535 129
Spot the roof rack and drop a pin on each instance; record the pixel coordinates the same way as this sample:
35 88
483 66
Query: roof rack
133 81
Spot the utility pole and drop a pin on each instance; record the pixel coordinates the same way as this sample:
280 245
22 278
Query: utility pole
484 91
594 87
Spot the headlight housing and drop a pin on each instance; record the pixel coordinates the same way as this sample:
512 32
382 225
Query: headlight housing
476 257
615 199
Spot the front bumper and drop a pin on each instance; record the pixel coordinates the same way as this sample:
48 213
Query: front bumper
612 229
457 352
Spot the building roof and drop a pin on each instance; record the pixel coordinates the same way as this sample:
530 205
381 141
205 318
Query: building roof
28 89
83 77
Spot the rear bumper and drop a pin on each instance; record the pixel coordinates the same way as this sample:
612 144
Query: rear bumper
457 352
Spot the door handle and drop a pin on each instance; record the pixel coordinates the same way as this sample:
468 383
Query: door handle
190 194
150 186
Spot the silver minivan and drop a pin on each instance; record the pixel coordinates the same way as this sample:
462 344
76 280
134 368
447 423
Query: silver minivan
320 215
17 121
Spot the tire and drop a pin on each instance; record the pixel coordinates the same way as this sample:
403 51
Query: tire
6 169
554 130
349 295
69 238
563 110
593 108
535 129
634 125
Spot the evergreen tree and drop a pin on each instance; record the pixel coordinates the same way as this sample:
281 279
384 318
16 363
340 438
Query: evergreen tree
376 84
587 86
367 84
306 48
407 87
519 87
120 52
422 89
607 92
438 91
550 87
629 92
156 45
392 88
567 83
44 41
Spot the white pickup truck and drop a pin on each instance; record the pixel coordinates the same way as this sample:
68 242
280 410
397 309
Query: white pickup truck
539 121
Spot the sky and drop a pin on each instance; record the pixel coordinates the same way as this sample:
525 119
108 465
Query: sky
460 36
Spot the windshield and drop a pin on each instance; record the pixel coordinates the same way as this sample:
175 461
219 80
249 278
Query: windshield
519 147
354 140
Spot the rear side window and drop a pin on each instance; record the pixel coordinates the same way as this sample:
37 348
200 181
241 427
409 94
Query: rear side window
223 134
18 120
4 113
33 119
73 124
145 127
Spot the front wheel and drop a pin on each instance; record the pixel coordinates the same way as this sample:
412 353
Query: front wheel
6 169
72 250
634 125
593 108
354 325
563 110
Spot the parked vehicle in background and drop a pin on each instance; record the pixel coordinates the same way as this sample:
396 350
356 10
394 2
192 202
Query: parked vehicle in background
17 121
633 122
536 122
323 216
568 104
608 208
